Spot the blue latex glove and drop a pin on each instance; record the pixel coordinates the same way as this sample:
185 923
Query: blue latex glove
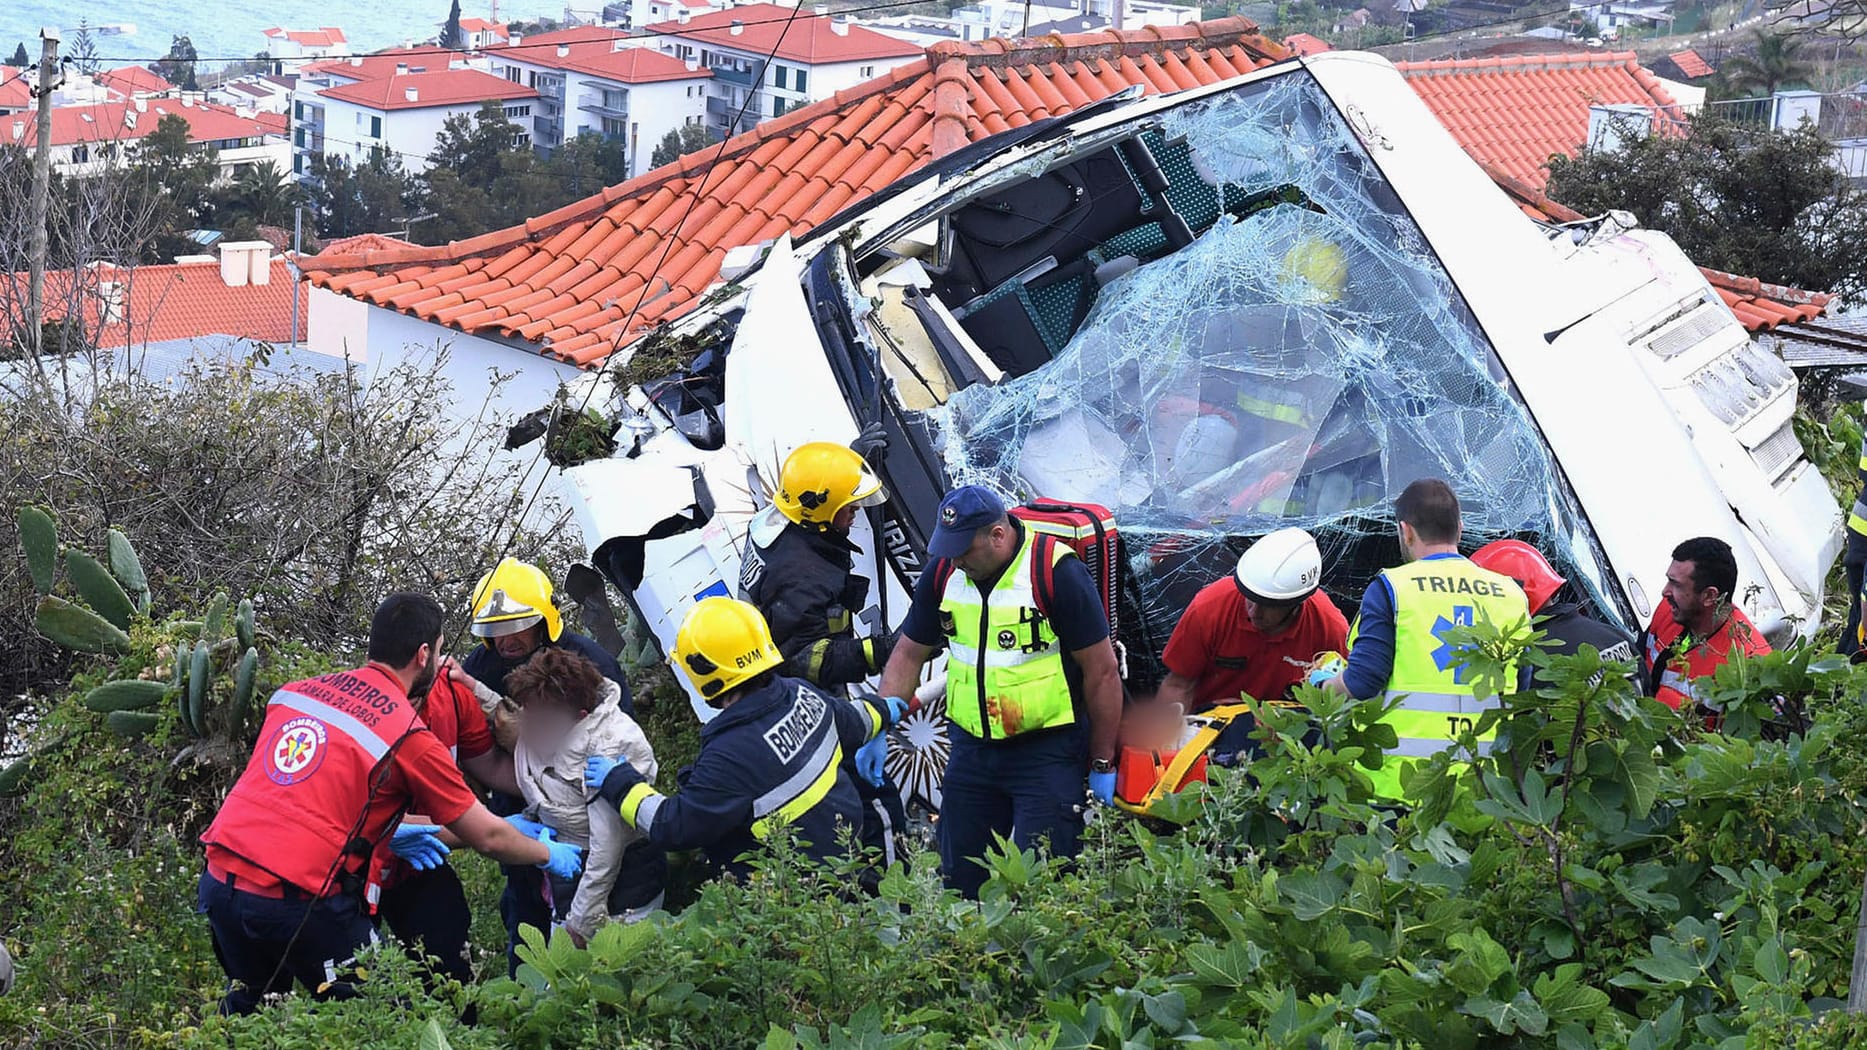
565 861
894 710
872 759
596 769
531 829
420 845
1102 786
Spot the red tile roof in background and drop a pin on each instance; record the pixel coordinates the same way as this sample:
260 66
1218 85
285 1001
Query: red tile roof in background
445 87
362 242
327 36
595 274
381 63
1512 114
131 81
1305 44
188 301
592 50
481 25
111 122
769 29
1692 64
15 88
1759 306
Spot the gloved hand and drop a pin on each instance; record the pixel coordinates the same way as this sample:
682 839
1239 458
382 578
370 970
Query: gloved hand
420 845
873 441
565 860
872 760
610 777
1102 786
894 710
528 827
1325 667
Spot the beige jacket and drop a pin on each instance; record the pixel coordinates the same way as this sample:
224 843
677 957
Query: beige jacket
554 793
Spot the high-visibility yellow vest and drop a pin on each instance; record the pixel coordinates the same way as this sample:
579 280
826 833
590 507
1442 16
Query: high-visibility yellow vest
1004 666
1437 696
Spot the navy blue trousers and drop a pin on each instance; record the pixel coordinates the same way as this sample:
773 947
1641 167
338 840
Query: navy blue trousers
1031 790
266 944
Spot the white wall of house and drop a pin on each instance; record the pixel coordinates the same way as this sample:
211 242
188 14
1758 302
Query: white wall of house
352 131
92 158
649 111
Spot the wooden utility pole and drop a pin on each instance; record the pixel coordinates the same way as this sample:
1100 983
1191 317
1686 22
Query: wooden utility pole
41 192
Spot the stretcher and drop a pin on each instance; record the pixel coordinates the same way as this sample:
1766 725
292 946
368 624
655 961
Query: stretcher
1144 776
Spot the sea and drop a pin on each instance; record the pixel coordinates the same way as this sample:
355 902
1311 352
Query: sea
224 31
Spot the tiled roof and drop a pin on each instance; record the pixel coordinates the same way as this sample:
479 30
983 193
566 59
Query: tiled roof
130 81
445 87
594 50
185 301
592 275
123 122
362 242
769 29
382 63
15 88
1758 306
481 25
1305 44
328 36
1691 64
1513 114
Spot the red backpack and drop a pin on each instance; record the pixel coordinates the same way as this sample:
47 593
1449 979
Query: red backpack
1088 530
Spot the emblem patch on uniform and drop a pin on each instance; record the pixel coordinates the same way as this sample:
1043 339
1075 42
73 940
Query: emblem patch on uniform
296 751
1007 640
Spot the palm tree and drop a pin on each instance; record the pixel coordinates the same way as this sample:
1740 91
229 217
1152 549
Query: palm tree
1778 63
268 194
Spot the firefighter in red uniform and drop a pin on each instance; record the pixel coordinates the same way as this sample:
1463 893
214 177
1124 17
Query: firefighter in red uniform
296 849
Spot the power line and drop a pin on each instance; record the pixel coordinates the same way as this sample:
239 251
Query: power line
670 30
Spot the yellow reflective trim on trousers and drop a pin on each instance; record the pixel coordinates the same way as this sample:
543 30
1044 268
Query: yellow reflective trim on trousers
632 803
1271 410
797 807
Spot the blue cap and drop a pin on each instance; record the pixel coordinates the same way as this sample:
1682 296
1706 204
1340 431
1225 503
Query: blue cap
964 511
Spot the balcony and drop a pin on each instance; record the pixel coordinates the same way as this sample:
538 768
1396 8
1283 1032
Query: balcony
595 102
741 77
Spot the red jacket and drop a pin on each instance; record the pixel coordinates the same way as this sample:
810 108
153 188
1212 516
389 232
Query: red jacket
1673 684
339 759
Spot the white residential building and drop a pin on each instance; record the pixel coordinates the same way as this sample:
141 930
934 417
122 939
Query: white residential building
478 33
594 80
768 60
358 120
292 48
268 93
89 139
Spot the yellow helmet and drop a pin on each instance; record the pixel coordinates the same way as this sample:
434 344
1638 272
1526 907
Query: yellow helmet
1318 266
722 643
820 479
513 597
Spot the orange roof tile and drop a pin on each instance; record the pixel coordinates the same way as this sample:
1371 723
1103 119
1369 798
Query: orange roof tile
15 88
594 275
381 64
445 87
782 32
328 36
124 121
1513 114
1691 64
186 301
130 81
600 51
1305 44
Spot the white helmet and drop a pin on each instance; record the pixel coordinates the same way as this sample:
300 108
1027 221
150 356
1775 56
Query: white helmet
1282 568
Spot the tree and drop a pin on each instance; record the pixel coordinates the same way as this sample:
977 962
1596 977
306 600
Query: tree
451 35
263 195
376 196
1778 63
178 67
1755 201
587 164
178 178
20 59
689 138
84 49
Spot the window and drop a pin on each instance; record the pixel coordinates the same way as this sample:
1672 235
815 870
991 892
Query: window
375 127
298 110
615 98
777 76
800 81
513 73
615 128
515 112
298 164
298 137
80 153
866 72
777 107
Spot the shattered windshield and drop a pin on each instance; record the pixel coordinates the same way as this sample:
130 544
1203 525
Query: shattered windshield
1299 363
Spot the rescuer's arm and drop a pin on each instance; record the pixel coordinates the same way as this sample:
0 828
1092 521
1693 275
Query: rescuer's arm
1371 659
478 829
920 635
1177 689
710 806
494 769
1102 693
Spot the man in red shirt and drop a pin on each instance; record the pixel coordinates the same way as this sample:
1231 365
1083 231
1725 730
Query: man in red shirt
1696 627
1254 634
292 854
